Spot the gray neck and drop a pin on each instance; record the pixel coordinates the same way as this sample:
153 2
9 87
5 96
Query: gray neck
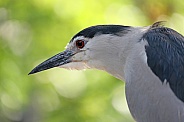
122 50
149 99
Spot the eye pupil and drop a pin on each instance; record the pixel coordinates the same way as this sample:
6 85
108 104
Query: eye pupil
80 43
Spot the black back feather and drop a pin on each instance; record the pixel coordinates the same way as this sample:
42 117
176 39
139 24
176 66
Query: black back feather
165 57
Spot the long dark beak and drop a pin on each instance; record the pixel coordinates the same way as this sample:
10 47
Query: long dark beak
57 60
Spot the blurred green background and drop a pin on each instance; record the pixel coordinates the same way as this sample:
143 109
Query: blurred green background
34 30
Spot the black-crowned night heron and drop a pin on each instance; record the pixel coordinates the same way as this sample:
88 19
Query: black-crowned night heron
150 60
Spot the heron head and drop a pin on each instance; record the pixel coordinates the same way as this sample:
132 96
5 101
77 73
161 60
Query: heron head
93 47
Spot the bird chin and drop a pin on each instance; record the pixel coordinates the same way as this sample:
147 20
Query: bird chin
75 66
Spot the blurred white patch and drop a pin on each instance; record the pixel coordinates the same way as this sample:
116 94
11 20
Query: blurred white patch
16 34
69 84
116 13
11 105
119 102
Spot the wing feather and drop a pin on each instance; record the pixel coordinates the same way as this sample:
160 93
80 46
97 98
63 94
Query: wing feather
165 52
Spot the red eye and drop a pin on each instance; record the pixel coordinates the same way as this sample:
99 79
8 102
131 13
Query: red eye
80 43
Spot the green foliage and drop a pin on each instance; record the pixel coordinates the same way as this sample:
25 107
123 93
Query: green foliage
33 30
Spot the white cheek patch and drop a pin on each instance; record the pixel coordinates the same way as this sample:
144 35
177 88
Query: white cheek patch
78 57
81 56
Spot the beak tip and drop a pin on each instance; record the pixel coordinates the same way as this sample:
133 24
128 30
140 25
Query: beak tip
35 70
57 60
32 72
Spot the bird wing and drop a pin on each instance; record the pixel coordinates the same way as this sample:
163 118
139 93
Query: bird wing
165 57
